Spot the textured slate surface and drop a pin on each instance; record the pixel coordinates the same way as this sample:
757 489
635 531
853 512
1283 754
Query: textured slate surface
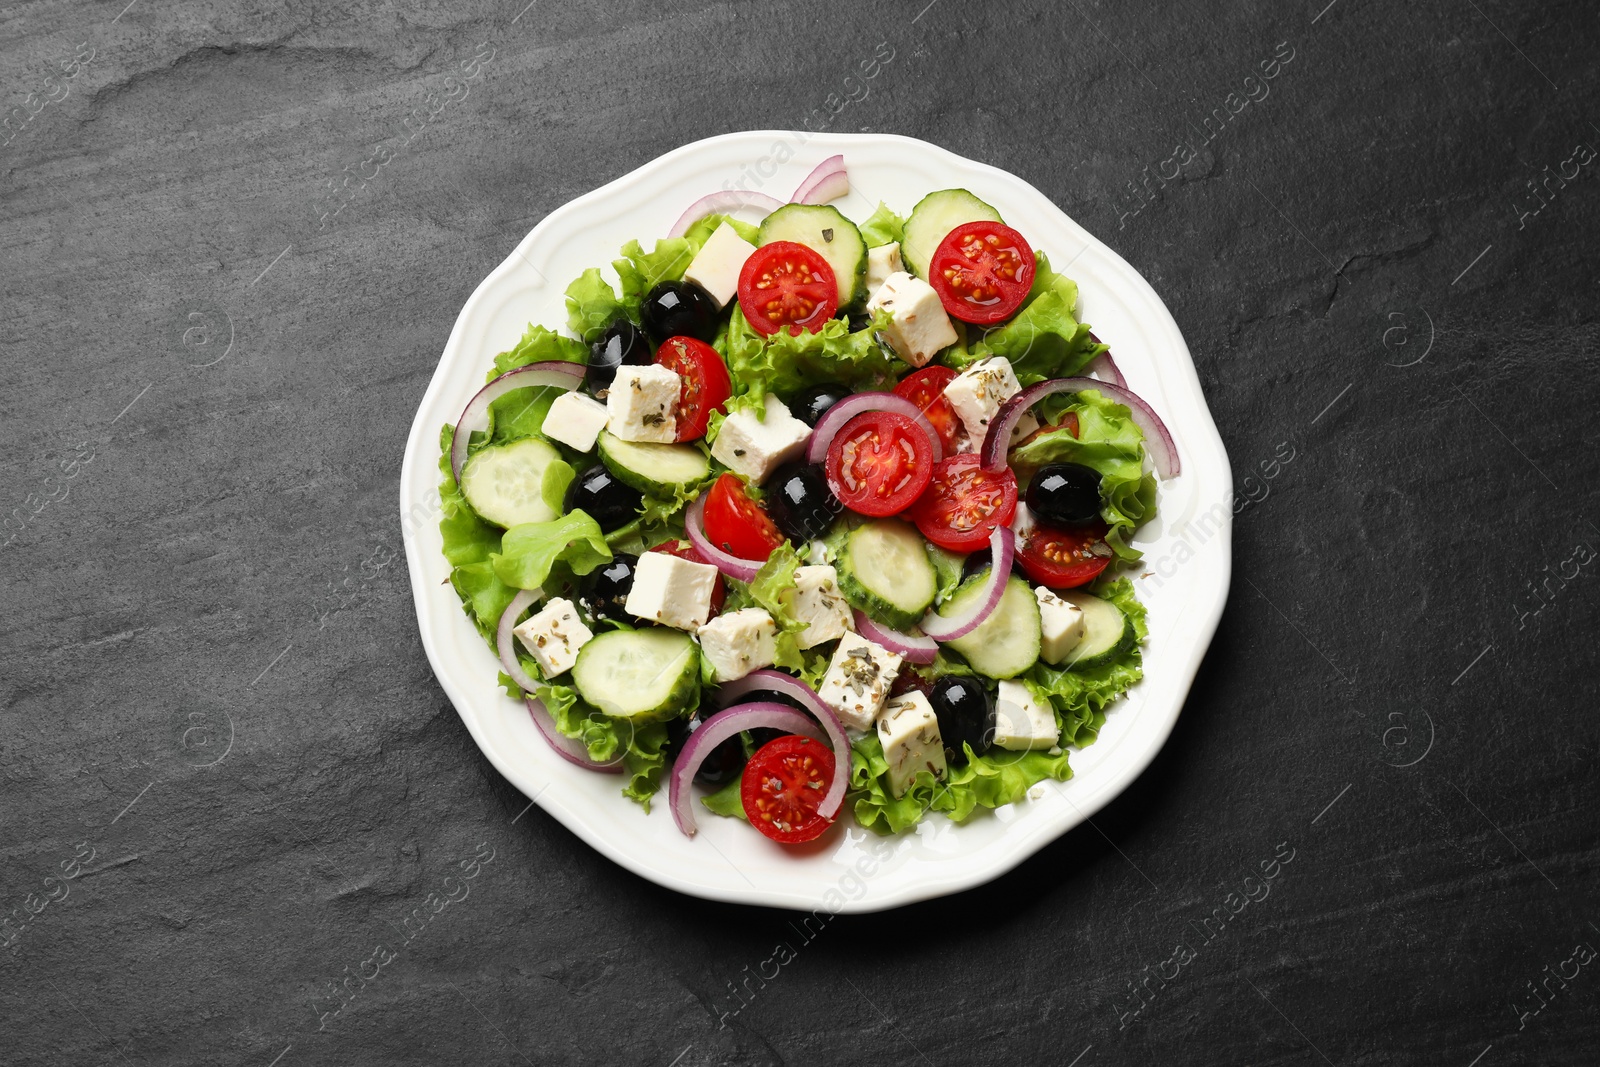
207 390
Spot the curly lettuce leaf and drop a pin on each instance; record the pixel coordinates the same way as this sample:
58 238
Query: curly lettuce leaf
521 413
592 306
1080 696
701 231
642 746
785 363
988 781
528 550
1109 441
883 227
773 588
641 271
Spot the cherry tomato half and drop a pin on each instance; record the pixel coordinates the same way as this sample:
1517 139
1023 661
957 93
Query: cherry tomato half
925 389
737 524
982 272
879 463
782 786
964 503
705 382
686 550
1063 559
785 284
1069 423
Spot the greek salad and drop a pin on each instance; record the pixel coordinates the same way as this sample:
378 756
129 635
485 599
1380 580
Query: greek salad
808 515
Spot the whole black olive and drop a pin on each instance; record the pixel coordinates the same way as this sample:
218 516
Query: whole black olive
680 309
966 715
800 502
976 563
813 403
607 501
1065 494
622 342
605 589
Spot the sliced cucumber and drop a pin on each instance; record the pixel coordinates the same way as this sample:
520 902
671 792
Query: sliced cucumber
660 470
1107 632
505 484
932 220
884 571
1007 642
647 675
830 235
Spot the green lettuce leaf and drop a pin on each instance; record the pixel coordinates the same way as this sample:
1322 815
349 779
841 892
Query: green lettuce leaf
521 413
1044 339
773 588
1080 696
1109 441
727 801
701 231
785 363
528 550
592 305
641 271
641 745
988 781
883 227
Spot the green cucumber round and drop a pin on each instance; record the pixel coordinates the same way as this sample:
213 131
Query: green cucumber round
1107 632
932 220
830 235
505 483
1007 642
647 675
657 469
884 571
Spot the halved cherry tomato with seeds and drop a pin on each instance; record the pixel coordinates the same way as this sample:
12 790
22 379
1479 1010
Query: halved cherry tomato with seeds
982 272
787 285
736 524
783 785
1065 559
686 550
879 463
705 388
925 389
964 503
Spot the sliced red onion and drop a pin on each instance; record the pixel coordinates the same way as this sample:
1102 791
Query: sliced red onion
720 204
505 643
771 681
551 373
720 727
913 648
1106 368
1002 550
827 182
833 421
694 524
1157 440
568 748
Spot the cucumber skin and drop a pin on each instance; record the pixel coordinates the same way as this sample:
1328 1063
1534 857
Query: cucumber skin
630 477
1110 655
858 291
976 645
679 698
913 237
862 598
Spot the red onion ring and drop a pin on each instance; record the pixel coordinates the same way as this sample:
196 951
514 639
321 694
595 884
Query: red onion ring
720 204
1003 551
694 524
505 644
1106 368
770 681
1157 440
833 421
913 648
551 373
568 748
720 727
827 182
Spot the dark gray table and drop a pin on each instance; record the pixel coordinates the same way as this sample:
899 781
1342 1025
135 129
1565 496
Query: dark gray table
1382 257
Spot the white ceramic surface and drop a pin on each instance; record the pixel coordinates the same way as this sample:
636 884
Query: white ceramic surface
1184 582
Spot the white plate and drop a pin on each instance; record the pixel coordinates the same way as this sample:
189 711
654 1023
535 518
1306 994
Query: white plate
853 870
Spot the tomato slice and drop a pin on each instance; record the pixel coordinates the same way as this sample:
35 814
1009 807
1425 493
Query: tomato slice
1069 424
686 550
782 786
737 524
925 389
982 272
964 503
879 463
785 284
706 387
1062 559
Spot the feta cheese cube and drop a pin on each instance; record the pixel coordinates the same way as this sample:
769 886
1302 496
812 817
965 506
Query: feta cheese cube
819 604
909 731
978 392
553 635
672 591
1060 625
1020 722
920 328
642 404
858 680
882 262
739 642
715 268
754 447
575 420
